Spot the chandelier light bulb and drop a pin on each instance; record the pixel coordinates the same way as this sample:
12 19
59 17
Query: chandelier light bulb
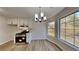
42 14
39 19
35 19
36 15
45 18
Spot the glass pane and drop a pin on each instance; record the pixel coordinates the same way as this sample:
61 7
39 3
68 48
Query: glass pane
62 29
70 29
51 29
70 18
77 29
62 20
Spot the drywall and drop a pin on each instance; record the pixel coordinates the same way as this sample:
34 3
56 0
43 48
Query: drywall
6 32
39 30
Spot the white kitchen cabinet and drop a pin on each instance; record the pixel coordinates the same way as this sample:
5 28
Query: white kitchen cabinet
13 22
17 22
21 21
9 21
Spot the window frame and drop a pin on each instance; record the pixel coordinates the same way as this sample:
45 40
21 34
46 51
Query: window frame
65 27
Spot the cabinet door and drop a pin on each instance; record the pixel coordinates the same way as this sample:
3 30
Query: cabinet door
10 21
15 21
21 21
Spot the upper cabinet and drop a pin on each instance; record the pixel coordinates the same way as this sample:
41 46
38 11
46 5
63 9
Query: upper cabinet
13 22
21 21
17 22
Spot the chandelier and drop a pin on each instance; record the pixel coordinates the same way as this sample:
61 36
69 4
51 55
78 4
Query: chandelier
39 17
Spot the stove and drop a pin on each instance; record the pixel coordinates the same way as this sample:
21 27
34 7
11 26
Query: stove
21 37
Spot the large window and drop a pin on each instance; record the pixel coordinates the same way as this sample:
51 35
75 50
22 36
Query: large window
69 28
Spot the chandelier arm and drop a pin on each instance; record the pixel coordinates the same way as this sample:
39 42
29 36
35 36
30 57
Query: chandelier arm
40 16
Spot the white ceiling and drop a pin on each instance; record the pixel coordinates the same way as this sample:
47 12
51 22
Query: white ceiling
28 12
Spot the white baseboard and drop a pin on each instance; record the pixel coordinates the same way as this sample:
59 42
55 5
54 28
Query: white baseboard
40 39
5 42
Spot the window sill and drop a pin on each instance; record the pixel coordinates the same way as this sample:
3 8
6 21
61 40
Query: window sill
71 45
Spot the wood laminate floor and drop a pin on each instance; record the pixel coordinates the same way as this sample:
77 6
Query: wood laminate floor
35 45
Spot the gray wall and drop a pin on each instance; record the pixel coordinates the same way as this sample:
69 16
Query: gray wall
6 32
39 30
